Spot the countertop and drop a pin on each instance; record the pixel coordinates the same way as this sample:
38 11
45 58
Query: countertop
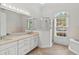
16 37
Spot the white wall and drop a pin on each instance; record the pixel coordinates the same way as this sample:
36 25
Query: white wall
73 9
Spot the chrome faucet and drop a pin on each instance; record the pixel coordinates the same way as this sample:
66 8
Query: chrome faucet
1 37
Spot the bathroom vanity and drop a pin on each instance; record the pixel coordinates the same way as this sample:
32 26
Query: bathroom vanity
18 44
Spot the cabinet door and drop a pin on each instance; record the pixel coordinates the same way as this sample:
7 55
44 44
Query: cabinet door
21 43
8 49
35 38
12 50
23 46
27 43
4 52
23 51
32 43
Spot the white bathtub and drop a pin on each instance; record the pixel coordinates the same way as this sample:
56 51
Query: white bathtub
74 46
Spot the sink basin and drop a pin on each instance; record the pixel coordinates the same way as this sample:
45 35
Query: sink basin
21 33
15 35
29 33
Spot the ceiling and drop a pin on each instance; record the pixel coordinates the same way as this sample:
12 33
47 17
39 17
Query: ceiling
46 9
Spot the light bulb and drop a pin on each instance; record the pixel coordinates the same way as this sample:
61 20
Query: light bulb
20 10
14 8
3 4
10 6
17 9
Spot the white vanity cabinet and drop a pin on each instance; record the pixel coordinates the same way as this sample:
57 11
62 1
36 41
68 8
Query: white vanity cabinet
19 46
8 49
27 44
23 46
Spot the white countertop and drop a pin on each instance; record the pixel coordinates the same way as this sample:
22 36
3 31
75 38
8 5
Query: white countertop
16 37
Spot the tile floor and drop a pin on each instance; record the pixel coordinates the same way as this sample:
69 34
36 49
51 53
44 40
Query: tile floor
56 49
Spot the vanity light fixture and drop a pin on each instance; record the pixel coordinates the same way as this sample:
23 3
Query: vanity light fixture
13 8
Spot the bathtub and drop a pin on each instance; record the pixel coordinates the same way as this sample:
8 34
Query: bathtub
74 46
